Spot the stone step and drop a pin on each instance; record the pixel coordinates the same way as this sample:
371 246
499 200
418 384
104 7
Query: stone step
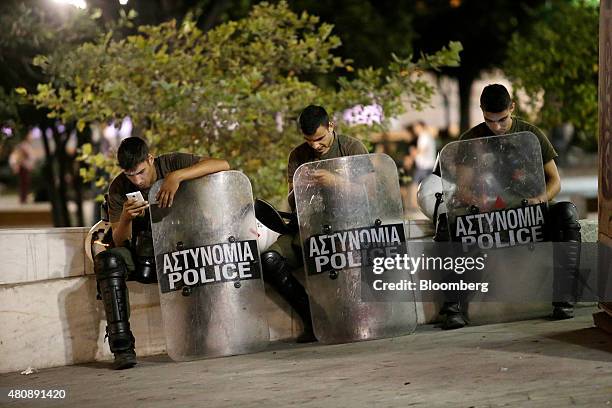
39 254
50 316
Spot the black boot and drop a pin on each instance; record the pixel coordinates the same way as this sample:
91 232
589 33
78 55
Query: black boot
454 318
144 259
562 310
111 274
277 274
442 233
564 230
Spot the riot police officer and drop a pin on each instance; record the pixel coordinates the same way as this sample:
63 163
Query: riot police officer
130 256
320 142
497 109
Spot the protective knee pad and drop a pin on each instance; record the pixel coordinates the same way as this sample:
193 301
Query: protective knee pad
274 267
145 270
111 274
144 258
563 222
277 274
108 265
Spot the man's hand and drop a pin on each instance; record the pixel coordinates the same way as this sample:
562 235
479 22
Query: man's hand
537 200
132 209
165 195
324 177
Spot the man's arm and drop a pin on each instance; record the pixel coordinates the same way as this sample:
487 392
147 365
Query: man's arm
172 181
121 233
551 174
465 180
553 180
553 184
292 165
122 229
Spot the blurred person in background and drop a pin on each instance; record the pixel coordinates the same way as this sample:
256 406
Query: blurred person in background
22 161
407 169
423 157
425 154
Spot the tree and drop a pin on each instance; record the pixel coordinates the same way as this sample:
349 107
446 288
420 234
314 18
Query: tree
484 28
208 13
231 92
30 28
555 64
370 30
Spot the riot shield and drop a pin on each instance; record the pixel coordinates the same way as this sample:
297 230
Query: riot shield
500 175
491 187
211 289
346 207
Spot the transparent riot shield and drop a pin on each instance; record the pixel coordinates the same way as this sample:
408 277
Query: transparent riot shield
211 289
493 189
346 207
503 175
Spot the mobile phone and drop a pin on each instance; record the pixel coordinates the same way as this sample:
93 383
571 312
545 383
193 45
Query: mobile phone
136 195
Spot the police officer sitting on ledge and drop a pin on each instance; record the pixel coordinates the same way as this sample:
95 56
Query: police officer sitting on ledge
497 108
132 257
321 142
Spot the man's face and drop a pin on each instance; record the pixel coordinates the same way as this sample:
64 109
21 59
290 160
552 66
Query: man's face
143 175
499 122
322 139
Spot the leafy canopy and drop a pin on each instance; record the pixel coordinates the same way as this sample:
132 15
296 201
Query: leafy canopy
232 92
556 65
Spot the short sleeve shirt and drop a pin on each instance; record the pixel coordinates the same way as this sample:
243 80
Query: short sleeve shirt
518 125
121 185
341 147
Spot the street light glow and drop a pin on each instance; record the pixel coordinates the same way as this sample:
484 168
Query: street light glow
76 3
123 2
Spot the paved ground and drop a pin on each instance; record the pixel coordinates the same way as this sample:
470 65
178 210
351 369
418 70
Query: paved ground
536 363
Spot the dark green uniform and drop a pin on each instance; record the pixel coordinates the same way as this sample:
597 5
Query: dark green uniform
288 246
342 146
121 185
136 262
518 125
562 225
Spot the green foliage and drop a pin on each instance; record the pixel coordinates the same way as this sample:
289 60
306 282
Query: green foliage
8 105
28 25
483 28
557 60
30 28
232 92
8 113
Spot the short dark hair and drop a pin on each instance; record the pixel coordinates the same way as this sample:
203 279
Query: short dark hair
495 98
132 151
311 118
